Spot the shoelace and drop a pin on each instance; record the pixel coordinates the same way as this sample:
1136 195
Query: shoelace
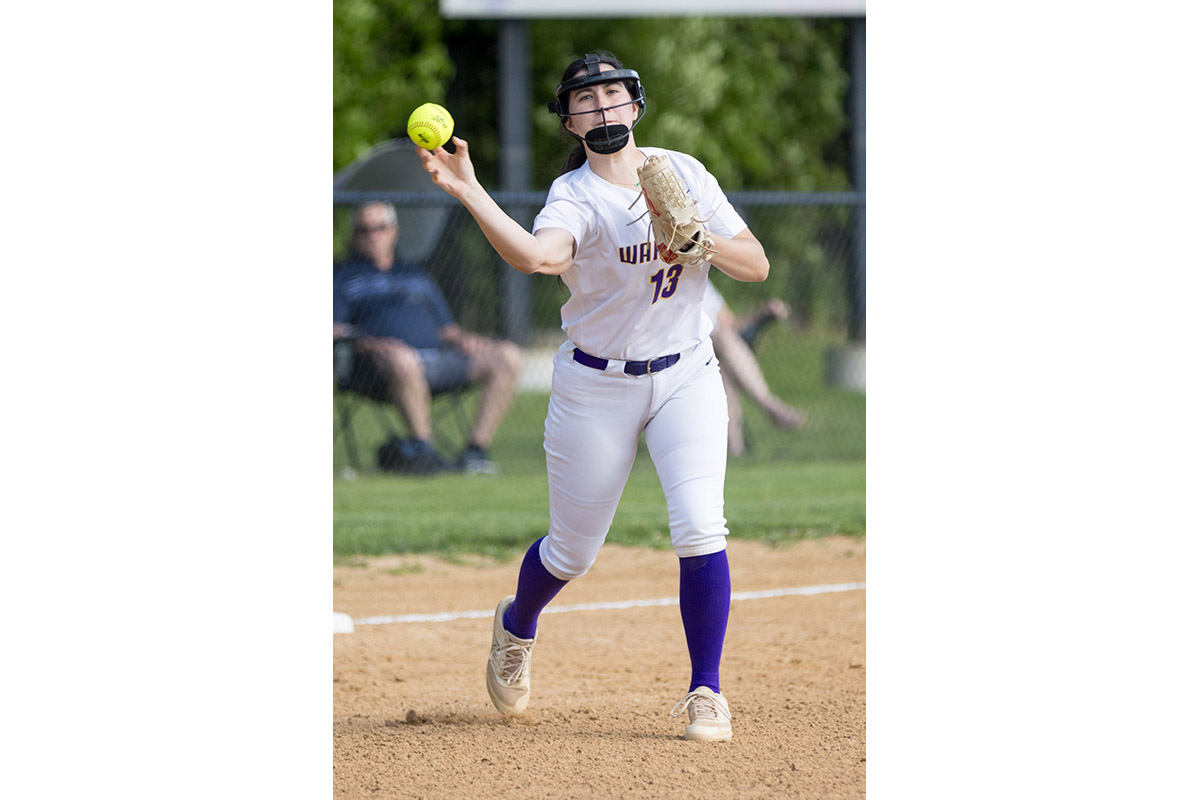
704 705
511 661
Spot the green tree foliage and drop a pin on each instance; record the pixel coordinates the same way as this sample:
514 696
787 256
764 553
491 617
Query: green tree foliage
759 101
388 57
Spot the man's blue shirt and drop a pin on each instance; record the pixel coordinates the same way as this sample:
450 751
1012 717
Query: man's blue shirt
404 302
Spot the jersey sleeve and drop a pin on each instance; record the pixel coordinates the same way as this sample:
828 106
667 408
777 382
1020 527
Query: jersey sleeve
725 221
563 211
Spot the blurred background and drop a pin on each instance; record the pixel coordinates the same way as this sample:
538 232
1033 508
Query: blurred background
773 105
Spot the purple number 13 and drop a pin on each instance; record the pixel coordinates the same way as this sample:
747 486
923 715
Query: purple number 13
672 282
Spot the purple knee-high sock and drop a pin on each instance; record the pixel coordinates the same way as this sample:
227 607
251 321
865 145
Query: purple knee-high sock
704 605
536 587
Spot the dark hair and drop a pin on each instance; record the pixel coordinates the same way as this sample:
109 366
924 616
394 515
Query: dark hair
578 155
575 159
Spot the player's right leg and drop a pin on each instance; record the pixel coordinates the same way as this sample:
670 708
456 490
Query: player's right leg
514 632
593 423
592 429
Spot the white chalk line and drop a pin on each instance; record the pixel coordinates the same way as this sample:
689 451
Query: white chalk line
449 616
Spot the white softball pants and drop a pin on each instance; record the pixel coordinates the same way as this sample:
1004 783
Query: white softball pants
592 428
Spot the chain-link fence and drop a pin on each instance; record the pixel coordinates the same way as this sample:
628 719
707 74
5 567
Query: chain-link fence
811 350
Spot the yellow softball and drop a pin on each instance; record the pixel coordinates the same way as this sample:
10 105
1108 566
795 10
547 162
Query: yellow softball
430 126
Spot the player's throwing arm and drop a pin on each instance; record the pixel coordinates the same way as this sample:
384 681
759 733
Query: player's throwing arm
547 254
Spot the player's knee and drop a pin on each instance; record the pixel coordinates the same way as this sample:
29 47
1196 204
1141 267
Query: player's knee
569 569
564 564
699 541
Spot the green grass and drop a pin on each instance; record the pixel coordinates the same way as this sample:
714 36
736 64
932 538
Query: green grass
498 516
798 484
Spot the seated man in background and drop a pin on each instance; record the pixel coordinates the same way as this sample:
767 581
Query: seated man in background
409 347
740 371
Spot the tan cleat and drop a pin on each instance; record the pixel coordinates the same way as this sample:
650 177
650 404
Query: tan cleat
709 719
509 664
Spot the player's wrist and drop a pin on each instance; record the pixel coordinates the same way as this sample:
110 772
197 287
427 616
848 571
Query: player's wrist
473 194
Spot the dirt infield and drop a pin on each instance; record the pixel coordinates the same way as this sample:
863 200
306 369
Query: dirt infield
412 718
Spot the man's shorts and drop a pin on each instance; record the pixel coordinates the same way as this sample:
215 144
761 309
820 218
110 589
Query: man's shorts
445 368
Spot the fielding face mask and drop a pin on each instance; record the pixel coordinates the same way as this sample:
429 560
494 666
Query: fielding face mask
606 138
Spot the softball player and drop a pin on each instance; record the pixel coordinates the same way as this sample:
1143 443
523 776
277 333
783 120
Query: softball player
638 361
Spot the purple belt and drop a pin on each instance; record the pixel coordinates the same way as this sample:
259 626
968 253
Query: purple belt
631 367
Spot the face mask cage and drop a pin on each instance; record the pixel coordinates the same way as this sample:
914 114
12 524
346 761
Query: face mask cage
606 138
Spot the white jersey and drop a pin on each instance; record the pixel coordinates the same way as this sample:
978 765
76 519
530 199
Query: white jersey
713 302
625 303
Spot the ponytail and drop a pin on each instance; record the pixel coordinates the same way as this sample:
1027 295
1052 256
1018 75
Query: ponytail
575 160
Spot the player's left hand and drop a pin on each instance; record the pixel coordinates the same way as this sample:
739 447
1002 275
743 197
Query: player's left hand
679 233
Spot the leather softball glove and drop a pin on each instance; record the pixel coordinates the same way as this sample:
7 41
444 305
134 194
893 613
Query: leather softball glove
680 236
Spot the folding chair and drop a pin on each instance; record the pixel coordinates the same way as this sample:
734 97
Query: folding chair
449 405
